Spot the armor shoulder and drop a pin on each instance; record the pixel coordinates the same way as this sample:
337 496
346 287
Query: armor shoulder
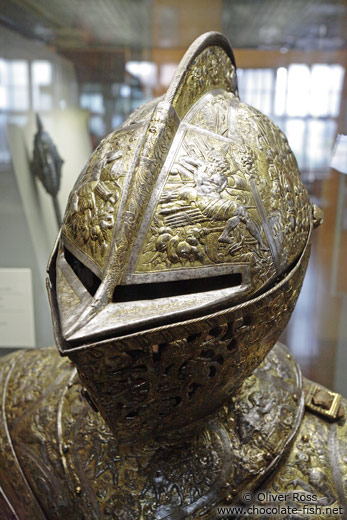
315 470
31 471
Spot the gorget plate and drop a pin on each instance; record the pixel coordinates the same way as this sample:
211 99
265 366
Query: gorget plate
60 460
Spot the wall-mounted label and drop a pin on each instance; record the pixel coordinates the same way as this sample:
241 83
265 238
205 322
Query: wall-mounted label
17 327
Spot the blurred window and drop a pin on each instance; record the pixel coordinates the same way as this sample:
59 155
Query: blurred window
93 102
298 90
5 156
257 87
97 126
14 99
42 82
145 71
24 85
14 81
167 70
304 101
110 104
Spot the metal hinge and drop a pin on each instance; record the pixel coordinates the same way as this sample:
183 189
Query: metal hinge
323 401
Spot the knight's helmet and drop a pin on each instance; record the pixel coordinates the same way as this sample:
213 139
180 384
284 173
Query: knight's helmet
182 252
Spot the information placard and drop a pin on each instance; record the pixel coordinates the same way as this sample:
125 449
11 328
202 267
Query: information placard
17 328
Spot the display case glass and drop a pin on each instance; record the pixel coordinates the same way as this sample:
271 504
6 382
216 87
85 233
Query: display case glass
85 67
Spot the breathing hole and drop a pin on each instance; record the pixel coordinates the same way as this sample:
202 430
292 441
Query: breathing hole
193 389
207 353
157 351
168 368
215 332
232 345
132 415
247 320
212 372
193 337
229 332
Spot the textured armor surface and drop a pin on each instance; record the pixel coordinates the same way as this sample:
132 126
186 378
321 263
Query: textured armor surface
185 236
60 460
193 186
180 259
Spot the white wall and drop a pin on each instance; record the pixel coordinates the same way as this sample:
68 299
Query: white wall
26 241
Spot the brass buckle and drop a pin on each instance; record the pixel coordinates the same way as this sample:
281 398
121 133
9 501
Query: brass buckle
334 407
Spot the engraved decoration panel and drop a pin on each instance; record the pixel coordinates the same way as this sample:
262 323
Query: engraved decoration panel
92 208
225 197
316 466
211 69
71 466
156 374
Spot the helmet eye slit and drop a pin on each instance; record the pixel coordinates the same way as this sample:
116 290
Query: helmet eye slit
90 281
135 292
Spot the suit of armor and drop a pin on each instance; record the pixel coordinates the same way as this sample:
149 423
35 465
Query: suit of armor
180 259
60 460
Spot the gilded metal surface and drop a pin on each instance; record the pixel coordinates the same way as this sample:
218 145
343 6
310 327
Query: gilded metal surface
90 214
330 407
60 460
230 197
180 259
157 380
316 465
195 185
